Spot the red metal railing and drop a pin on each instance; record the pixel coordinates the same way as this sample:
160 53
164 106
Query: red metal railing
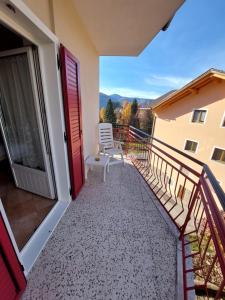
193 199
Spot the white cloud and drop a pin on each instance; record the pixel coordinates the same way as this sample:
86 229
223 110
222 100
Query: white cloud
127 92
167 81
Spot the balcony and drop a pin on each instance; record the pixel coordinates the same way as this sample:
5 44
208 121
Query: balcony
152 231
112 242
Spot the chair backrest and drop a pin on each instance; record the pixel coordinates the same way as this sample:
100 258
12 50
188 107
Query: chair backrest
106 135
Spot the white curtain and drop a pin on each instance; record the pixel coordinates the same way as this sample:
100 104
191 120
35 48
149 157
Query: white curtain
18 114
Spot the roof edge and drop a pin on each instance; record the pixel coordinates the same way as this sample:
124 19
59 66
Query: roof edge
194 84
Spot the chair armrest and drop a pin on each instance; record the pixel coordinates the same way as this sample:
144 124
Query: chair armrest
117 144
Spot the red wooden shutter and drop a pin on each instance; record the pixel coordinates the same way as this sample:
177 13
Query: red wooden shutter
12 279
72 110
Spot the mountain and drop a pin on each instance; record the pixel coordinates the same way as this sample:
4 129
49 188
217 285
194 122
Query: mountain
103 98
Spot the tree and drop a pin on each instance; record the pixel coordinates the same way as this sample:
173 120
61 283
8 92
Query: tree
116 104
134 109
102 115
126 113
146 117
109 113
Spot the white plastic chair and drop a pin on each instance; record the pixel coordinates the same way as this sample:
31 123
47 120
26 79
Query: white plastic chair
107 145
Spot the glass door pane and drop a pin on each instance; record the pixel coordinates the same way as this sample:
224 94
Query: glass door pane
18 114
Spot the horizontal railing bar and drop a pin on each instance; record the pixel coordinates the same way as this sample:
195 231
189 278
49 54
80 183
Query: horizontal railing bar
142 132
214 211
217 188
175 168
190 232
176 160
190 288
192 255
201 211
175 149
171 157
190 242
194 269
215 236
138 136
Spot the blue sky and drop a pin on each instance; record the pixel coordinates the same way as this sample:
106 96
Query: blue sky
193 43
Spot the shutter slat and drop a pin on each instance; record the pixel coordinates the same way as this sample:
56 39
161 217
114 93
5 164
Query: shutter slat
72 108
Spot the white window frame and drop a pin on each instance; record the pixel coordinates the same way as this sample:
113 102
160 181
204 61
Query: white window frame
28 25
192 115
191 140
216 161
222 121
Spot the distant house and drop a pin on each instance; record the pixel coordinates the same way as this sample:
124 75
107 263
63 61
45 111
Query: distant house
192 119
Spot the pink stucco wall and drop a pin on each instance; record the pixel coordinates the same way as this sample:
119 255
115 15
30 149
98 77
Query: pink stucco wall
174 126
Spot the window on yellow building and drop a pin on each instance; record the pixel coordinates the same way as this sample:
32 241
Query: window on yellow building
219 155
190 146
223 122
199 116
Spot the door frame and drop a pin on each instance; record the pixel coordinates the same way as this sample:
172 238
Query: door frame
27 24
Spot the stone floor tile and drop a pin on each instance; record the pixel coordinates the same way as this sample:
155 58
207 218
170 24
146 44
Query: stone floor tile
112 243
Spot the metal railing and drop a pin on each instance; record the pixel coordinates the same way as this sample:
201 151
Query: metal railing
193 199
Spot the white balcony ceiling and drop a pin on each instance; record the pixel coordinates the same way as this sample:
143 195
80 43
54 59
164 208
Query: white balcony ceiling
124 27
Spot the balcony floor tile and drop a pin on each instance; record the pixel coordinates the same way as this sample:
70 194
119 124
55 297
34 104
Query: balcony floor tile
112 243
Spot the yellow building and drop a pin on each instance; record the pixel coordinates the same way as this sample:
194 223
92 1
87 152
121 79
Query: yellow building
192 119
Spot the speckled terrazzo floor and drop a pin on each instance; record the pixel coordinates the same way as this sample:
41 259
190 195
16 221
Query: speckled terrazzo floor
112 243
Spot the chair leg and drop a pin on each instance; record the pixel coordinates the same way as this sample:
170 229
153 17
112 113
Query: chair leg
122 159
104 173
86 171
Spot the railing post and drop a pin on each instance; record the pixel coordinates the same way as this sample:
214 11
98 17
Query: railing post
127 139
199 210
188 217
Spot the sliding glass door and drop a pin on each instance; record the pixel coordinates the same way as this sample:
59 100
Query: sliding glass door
21 123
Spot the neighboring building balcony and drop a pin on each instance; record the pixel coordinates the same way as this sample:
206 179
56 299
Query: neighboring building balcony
153 230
